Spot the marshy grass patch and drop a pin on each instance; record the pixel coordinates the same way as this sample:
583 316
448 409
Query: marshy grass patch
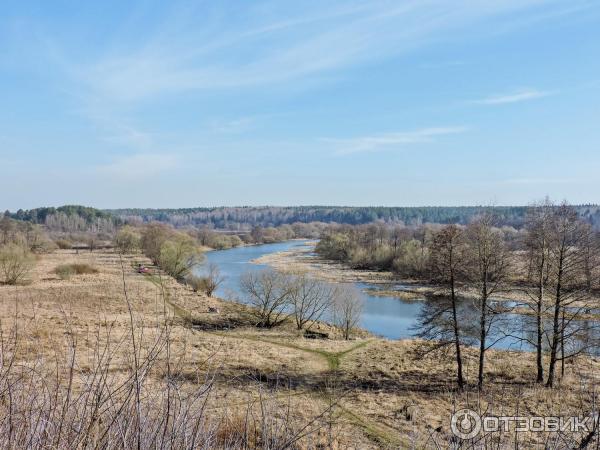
66 271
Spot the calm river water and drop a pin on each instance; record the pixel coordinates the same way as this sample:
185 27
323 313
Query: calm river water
390 317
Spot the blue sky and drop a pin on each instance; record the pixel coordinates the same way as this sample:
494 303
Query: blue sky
199 103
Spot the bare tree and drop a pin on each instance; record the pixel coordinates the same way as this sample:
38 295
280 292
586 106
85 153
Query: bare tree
489 270
591 249
154 236
92 241
568 238
309 298
7 229
440 321
537 243
397 234
347 308
269 293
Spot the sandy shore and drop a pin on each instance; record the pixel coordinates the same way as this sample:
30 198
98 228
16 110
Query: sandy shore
303 260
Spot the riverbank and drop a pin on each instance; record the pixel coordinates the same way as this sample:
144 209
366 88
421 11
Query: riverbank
302 259
205 248
365 393
386 284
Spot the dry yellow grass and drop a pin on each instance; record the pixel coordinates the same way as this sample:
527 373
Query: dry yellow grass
386 394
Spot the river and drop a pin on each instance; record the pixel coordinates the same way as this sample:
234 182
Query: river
390 317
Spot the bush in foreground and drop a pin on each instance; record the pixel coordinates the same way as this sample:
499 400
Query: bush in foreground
15 263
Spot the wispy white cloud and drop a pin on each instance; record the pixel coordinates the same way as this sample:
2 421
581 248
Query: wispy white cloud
521 95
390 140
260 44
139 166
282 45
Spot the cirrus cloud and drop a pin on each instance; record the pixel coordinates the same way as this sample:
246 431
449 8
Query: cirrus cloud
391 140
518 96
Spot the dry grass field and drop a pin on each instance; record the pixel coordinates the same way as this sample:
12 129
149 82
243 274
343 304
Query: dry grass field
364 393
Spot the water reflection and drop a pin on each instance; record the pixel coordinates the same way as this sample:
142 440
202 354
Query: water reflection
397 318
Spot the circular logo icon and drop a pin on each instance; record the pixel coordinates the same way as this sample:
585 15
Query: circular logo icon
465 424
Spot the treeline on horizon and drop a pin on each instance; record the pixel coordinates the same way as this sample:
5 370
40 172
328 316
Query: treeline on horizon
247 217
74 226
71 217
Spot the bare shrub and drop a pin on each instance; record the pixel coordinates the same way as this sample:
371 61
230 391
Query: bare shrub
65 271
207 283
195 282
347 307
269 292
309 298
63 244
15 263
212 280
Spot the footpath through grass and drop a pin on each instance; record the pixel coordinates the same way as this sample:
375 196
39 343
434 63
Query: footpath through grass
333 361
333 358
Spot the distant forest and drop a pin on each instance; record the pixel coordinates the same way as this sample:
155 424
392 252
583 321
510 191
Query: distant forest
39 215
69 218
245 218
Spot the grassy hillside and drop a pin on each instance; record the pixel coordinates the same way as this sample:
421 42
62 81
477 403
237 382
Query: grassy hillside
117 332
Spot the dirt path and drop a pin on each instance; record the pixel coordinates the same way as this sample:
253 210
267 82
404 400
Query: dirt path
329 361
